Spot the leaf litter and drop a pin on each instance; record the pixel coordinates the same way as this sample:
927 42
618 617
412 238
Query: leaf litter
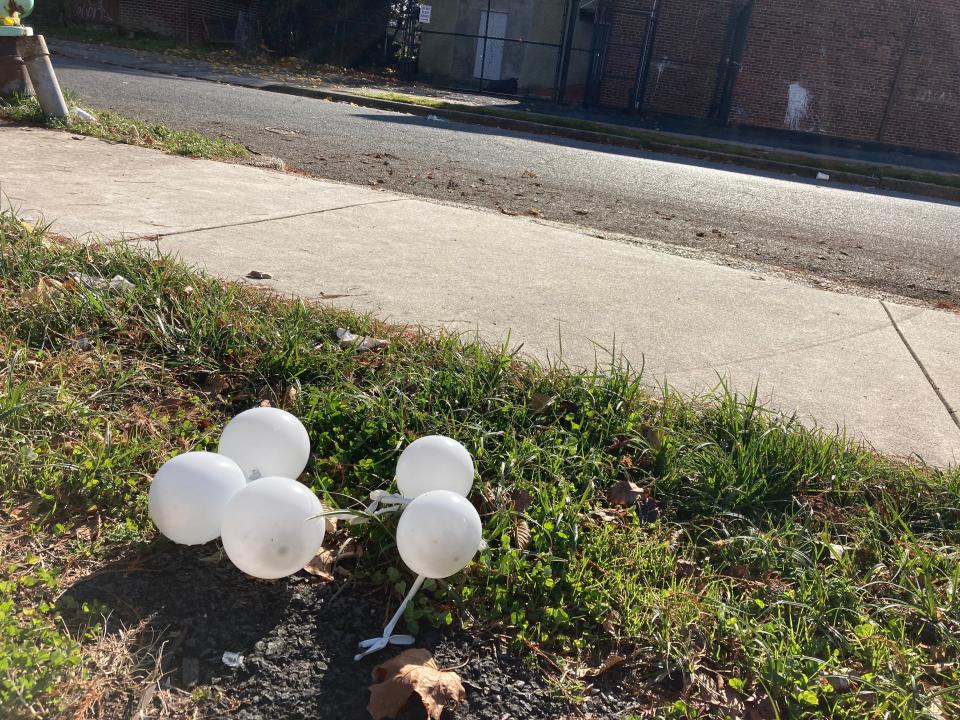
413 671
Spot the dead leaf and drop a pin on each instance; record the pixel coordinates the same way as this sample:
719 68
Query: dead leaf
579 211
626 493
533 211
540 402
290 398
740 572
611 622
521 535
609 664
654 438
504 210
215 384
413 671
520 499
188 290
46 288
265 403
173 404
259 275
610 515
322 565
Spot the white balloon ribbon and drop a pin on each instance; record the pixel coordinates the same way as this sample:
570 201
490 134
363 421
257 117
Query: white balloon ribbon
388 638
391 503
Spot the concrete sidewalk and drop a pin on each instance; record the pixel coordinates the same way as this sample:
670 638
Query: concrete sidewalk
842 360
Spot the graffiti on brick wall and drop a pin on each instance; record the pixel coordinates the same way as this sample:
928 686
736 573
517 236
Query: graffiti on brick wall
96 11
798 105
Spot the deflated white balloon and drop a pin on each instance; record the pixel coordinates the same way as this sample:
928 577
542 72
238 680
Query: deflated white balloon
435 462
266 442
438 534
189 493
271 529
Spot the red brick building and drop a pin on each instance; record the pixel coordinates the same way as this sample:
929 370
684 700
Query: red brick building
883 71
181 19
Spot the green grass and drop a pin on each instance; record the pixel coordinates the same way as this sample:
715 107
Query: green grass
789 572
120 128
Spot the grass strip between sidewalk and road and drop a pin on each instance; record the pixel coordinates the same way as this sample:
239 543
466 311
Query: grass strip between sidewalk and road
787 573
665 142
112 126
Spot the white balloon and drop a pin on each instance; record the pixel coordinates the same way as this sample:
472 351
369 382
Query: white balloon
438 533
266 442
271 529
434 462
188 495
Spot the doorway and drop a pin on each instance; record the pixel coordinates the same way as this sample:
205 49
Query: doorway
489 60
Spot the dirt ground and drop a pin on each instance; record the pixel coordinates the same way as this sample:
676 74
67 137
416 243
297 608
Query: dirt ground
297 638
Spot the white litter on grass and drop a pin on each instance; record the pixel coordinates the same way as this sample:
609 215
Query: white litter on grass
437 118
822 176
117 282
360 342
82 114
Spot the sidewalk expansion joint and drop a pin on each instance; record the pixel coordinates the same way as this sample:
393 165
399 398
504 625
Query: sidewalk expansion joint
926 373
241 223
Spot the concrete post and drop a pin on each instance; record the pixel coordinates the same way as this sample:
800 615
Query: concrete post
34 52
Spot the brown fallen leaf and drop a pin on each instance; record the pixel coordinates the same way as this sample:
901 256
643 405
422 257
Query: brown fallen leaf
46 288
609 664
654 438
519 499
521 535
322 564
215 384
540 402
413 671
626 493
611 623
259 275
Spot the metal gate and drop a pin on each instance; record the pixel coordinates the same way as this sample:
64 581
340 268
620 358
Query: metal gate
622 41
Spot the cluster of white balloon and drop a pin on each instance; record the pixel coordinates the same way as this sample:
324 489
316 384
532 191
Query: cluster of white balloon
271 525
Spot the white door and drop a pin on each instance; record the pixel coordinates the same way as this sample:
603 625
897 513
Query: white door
494 31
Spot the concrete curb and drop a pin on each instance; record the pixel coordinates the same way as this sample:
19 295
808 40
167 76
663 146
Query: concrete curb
913 187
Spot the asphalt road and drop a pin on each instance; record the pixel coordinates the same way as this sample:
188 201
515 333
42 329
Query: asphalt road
881 242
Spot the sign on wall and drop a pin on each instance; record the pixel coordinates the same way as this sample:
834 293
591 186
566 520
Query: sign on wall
425 11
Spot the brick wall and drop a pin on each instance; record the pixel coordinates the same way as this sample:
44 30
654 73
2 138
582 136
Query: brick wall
628 26
181 19
690 43
873 70
838 67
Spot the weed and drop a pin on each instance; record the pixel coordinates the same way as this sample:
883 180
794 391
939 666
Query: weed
119 128
790 572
